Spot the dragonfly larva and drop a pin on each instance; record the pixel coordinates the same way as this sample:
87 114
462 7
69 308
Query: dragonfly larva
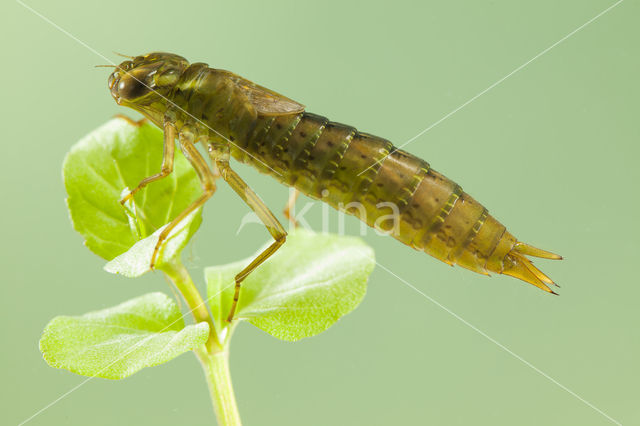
398 192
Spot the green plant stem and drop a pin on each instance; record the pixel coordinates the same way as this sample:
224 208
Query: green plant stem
198 307
214 356
216 368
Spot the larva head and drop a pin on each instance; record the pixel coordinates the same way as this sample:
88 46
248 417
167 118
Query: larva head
146 79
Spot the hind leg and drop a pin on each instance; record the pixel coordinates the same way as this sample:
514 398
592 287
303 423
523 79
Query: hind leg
291 205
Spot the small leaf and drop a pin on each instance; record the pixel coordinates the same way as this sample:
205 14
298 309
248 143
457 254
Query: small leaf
116 342
135 261
116 156
303 289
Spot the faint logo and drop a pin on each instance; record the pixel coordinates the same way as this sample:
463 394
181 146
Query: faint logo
385 215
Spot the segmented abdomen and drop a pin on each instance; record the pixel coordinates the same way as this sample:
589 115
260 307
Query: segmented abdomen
398 193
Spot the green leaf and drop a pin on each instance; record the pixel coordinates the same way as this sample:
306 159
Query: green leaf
135 261
116 342
116 156
303 289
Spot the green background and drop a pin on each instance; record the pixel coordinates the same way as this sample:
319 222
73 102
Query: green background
552 151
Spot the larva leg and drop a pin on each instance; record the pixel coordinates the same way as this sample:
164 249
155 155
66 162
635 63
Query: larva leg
167 161
131 121
291 203
273 226
207 179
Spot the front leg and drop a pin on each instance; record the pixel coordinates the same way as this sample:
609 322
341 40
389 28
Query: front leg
167 161
207 180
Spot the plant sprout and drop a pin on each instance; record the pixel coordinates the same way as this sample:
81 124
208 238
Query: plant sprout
312 281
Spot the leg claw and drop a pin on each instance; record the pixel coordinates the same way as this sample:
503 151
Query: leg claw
125 199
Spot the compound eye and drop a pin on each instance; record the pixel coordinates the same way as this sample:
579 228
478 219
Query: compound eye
112 80
130 88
